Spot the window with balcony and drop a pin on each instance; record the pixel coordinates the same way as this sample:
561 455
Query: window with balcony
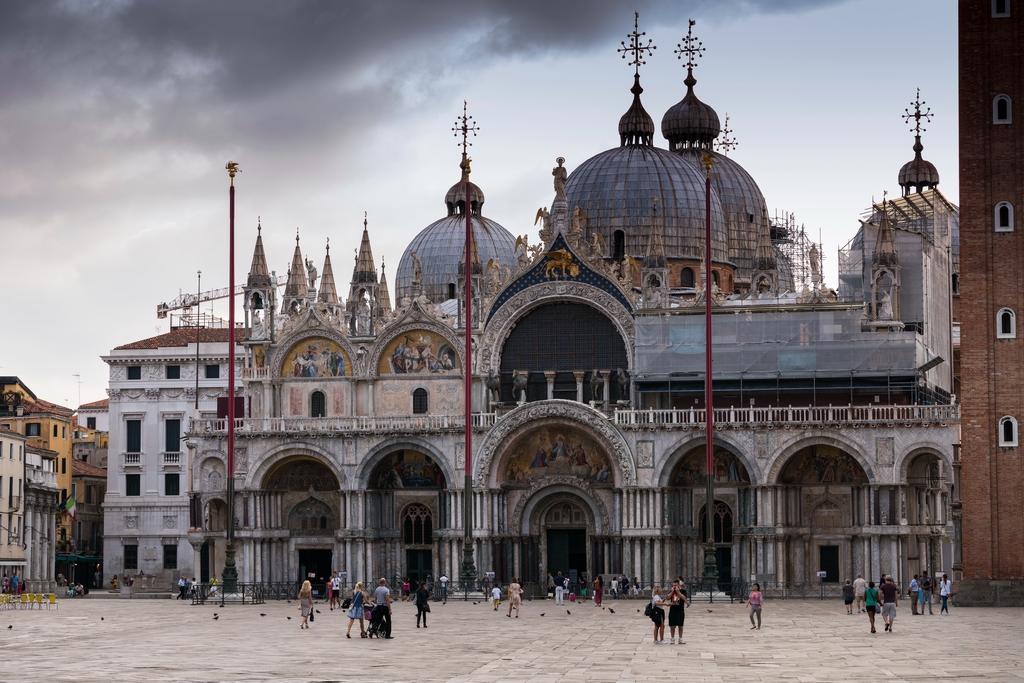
1008 432
131 557
133 436
134 372
317 404
172 435
420 401
132 485
171 484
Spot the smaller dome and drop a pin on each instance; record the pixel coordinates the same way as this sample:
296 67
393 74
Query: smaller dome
918 174
690 122
636 127
455 200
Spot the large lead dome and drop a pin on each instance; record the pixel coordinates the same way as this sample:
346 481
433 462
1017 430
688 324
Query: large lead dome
439 246
616 190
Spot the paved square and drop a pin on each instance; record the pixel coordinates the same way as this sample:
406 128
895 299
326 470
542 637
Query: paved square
165 640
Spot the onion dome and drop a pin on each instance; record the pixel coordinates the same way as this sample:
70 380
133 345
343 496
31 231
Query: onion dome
690 123
616 190
440 246
746 212
918 175
636 127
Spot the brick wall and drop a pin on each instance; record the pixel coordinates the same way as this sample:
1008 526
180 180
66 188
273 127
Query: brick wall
991 53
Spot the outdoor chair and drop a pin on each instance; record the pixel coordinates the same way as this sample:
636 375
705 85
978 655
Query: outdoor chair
39 600
25 600
53 601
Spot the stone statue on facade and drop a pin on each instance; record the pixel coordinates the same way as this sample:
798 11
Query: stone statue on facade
493 384
363 317
884 306
519 382
311 274
417 274
560 174
259 328
622 377
815 258
597 387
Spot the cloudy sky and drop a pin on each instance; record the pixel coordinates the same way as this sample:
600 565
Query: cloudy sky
116 119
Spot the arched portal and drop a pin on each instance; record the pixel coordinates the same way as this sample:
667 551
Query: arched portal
562 338
824 489
927 504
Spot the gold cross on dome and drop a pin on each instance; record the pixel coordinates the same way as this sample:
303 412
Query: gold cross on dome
464 125
635 47
726 144
918 114
691 47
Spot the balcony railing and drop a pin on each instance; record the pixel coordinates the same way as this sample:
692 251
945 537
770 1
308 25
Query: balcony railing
13 502
41 477
170 458
131 458
255 373
821 416
336 425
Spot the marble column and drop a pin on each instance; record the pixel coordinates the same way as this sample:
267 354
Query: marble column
549 377
580 376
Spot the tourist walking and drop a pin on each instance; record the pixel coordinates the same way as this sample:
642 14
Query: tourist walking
406 590
636 587
848 597
658 616
583 587
915 588
444 587
335 588
559 588
926 592
422 599
871 603
181 588
356 611
624 584
382 600
860 587
305 603
754 602
598 591
890 600
945 591
615 588
677 602
496 597
515 596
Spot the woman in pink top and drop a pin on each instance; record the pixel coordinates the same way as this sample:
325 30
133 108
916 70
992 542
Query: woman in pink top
754 603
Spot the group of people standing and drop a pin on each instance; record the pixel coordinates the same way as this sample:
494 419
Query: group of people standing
677 600
885 598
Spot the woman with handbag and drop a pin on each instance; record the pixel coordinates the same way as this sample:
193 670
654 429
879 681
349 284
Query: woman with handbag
658 616
305 603
598 590
422 603
515 596
359 601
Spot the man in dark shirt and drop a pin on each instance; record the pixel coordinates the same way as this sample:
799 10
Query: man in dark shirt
890 599
559 588
926 592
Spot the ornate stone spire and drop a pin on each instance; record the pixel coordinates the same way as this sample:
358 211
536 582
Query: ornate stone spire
383 296
654 272
296 291
636 127
885 246
259 273
328 292
364 270
764 280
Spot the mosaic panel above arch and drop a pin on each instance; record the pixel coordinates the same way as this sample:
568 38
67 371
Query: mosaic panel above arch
822 464
691 469
419 352
556 450
407 469
316 357
301 475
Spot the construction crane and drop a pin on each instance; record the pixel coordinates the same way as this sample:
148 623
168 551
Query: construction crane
187 301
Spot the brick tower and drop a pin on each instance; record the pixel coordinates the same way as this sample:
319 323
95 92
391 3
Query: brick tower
991 185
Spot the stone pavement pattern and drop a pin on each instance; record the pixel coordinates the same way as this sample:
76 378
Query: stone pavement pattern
166 640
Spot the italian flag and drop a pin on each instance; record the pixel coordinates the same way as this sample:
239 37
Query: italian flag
69 507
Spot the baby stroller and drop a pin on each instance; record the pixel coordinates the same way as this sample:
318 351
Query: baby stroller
376 628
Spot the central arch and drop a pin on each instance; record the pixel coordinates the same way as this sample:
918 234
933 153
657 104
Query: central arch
553 415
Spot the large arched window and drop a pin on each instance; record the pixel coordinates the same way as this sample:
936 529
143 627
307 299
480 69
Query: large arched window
1004 217
417 525
419 401
686 278
562 338
1007 431
1002 109
721 524
317 404
1006 324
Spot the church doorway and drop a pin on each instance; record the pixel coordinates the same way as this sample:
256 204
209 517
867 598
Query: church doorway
567 552
417 563
828 562
204 563
315 567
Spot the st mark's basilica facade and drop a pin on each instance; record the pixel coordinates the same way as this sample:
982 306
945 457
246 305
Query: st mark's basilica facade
836 419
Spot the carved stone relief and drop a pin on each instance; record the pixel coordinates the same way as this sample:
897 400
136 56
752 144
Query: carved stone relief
761 444
645 454
885 450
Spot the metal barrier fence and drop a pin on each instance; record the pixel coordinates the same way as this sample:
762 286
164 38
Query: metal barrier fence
244 593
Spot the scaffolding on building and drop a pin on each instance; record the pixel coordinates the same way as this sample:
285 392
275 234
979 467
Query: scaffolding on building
791 241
